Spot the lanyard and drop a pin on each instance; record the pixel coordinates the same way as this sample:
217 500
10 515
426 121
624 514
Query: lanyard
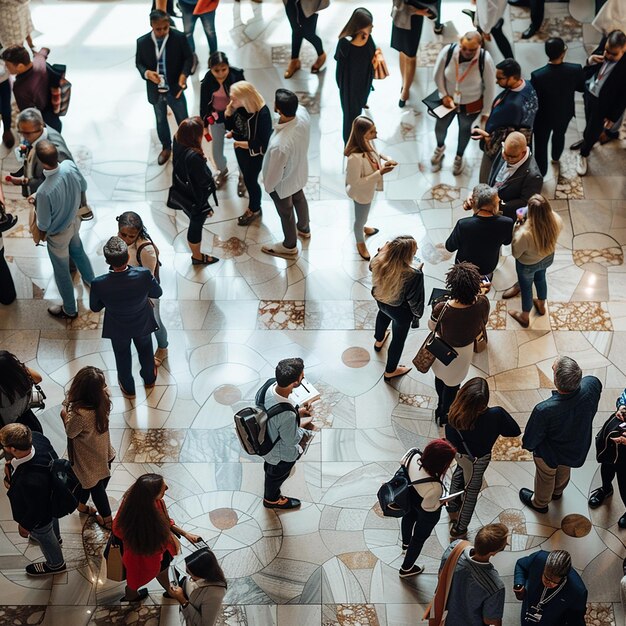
603 70
543 600
159 51
460 79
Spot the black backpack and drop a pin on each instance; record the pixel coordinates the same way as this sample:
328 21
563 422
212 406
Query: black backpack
251 422
64 486
393 496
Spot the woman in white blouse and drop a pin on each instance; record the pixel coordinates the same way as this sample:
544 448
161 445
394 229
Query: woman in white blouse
364 176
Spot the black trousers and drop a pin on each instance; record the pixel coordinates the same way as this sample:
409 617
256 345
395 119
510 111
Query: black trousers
504 45
302 28
416 527
608 471
7 286
445 398
5 104
400 318
196 223
99 496
250 168
594 123
275 476
542 130
536 12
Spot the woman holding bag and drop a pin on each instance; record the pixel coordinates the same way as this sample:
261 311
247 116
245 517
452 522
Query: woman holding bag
190 165
16 388
147 534
85 417
201 592
355 69
473 428
364 176
398 288
428 466
461 319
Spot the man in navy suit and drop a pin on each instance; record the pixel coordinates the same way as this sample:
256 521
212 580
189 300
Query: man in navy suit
124 292
164 59
556 84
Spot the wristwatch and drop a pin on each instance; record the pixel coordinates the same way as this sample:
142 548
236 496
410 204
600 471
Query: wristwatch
185 605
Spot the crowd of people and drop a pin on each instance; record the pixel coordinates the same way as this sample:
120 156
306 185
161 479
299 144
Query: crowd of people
514 119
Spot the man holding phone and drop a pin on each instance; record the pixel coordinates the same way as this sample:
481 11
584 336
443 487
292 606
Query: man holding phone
164 59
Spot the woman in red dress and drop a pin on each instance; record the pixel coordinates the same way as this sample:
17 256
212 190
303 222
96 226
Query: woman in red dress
147 534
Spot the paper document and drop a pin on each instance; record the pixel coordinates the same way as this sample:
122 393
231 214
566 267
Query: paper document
441 111
306 392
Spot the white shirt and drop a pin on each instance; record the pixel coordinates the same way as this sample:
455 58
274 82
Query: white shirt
286 163
506 171
15 462
430 491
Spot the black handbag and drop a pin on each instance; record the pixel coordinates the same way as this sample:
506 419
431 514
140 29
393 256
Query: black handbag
437 346
181 196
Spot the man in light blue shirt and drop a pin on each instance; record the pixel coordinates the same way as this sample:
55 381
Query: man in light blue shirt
57 201
285 429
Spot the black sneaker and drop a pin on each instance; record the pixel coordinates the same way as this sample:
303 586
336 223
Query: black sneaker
412 571
282 503
598 496
43 569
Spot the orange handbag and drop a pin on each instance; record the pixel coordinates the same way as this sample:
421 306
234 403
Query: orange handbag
380 66
205 6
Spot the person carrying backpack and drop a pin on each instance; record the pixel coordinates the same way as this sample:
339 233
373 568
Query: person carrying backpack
29 489
285 429
465 75
425 499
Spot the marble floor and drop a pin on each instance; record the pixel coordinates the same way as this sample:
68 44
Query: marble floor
336 560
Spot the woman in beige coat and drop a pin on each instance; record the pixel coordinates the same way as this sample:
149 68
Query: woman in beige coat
202 591
364 176
86 419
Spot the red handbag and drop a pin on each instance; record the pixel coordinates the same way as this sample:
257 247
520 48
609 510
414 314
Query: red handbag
205 6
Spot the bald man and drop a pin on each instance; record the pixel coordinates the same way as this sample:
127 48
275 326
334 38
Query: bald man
57 201
515 174
465 76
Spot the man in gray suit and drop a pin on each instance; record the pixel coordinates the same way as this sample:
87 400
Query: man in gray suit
32 129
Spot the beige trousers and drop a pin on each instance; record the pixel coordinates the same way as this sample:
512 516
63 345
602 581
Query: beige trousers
549 481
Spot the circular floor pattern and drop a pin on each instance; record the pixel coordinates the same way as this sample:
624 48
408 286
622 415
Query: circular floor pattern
576 525
355 357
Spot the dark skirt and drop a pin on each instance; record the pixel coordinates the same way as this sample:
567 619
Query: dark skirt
408 41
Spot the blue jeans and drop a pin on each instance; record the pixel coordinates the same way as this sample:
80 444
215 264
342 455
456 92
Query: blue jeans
527 274
189 25
62 247
361 213
161 334
48 539
124 361
179 108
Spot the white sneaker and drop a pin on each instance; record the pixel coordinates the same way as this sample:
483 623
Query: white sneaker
581 165
437 158
277 249
459 165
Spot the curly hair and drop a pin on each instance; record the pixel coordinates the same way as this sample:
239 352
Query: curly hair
463 282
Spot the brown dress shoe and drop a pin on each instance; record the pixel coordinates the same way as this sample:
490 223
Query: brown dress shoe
519 318
511 292
164 156
540 306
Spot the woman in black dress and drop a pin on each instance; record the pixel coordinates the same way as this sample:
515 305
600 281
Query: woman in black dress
406 32
355 71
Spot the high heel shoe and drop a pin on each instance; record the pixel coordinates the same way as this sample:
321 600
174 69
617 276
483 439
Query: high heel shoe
292 68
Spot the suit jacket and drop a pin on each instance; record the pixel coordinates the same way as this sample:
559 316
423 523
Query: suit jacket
125 295
555 86
613 93
36 178
518 188
178 60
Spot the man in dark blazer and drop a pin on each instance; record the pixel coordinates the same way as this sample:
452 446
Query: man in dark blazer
129 315
164 60
605 95
555 84
516 176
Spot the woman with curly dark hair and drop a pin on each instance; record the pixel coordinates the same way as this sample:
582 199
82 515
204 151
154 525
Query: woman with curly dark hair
85 417
463 318
147 533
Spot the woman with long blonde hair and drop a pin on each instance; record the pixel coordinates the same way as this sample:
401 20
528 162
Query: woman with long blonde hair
398 288
364 176
473 428
534 241
249 123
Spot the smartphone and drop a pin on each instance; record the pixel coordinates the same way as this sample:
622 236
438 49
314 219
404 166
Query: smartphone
521 213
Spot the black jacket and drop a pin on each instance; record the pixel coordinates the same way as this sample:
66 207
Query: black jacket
125 295
412 294
178 60
613 93
209 86
518 188
259 128
556 86
190 165
30 490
